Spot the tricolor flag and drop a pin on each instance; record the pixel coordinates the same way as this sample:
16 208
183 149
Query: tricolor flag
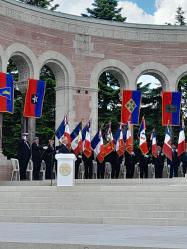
154 143
129 140
167 149
76 139
181 142
86 139
171 104
119 142
6 93
109 146
64 130
143 142
98 146
130 106
34 98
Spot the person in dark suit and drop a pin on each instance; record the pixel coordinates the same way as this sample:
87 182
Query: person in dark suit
63 147
158 163
88 165
113 160
49 158
174 163
130 164
143 164
36 158
23 155
100 169
183 159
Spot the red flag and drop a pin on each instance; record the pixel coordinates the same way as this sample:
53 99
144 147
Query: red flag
129 139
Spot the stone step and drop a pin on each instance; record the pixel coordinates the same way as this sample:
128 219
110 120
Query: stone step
94 206
92 220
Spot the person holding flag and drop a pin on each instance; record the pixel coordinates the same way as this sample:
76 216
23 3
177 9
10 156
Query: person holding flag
182 150
87 155
99 150
158 157
120 149
143 151
129 153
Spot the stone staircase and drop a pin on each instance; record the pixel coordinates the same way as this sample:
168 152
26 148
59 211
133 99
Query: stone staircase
125 202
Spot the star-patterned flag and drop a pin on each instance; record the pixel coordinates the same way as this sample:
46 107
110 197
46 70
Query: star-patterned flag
130 107
34 98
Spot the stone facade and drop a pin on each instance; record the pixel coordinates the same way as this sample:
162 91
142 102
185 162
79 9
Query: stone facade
79 49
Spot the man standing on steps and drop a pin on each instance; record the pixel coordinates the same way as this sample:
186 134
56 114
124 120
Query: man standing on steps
174 164
23 155
36 158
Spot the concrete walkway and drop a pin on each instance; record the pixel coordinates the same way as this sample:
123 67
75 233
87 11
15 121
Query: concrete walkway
92 236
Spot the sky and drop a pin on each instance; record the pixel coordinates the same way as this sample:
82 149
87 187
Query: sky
136 11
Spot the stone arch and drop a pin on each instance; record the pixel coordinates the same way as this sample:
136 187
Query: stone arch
117 68
24 59
1 59
179 73
65 80
61 67
157 70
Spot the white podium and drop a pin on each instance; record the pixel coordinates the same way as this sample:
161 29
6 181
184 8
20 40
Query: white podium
65 169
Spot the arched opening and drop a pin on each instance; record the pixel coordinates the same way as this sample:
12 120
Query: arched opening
111 82
151 85
14 124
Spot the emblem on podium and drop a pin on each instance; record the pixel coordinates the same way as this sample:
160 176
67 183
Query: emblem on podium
65 169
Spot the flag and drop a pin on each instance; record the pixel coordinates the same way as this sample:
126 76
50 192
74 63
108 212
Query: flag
119 142
98 146
129 140
171 103
6 93
63 130
167 149
34 98
130 106
76 139
143 142
86 139
154 144
109 146
181 141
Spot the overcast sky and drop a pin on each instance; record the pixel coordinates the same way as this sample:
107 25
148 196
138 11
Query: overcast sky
136 11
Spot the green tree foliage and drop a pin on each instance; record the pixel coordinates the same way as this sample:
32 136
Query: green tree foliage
46 4
105 9
109 105
180 19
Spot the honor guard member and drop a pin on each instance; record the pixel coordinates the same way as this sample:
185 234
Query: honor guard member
49 158
174 163
23 155
143 164
158 162
36 157
130 164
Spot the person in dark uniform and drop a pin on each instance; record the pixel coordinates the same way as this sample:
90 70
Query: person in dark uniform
130 164
174 164
23 155
49 158
143 164
36 158
100 169
183 159
113 160
158 163
63 147
88 165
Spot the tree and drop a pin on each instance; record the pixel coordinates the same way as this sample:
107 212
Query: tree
105 9
46 4
180 19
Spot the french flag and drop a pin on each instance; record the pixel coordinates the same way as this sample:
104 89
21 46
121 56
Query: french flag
98 146
109 146
76 139
143 141
34 98
181 141
154 143
86 139
167 150
129 140
64 130
119 142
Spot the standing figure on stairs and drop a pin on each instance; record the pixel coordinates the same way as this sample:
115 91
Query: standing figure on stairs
36 158
23 155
